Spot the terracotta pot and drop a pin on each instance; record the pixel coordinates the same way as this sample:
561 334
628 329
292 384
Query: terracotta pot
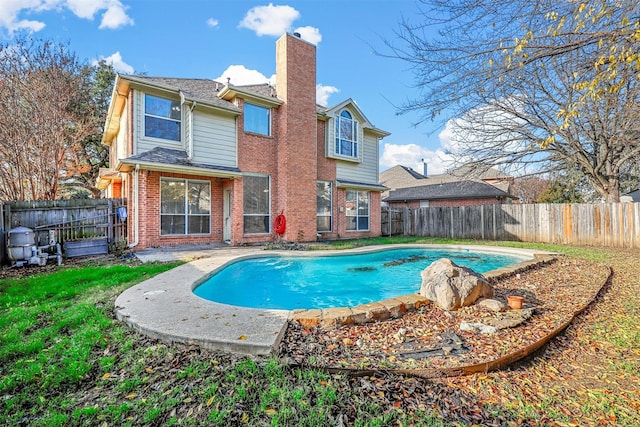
515 301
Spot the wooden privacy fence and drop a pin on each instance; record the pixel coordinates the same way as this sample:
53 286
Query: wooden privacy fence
72 220
603 224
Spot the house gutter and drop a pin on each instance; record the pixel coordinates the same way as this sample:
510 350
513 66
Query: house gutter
135 197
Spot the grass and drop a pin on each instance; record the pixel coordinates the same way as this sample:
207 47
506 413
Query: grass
65 361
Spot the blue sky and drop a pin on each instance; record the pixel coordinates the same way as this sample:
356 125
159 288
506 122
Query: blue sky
236 39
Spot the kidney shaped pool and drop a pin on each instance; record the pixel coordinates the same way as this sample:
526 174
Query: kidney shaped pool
289 282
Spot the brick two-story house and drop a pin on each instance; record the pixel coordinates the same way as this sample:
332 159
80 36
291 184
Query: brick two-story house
201 161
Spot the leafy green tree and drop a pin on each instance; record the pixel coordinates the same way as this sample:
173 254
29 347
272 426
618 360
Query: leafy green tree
93 154
536 85
559 191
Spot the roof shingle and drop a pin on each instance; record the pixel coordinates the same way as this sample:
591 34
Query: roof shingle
446 190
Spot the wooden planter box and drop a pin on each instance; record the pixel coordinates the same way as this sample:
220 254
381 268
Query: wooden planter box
85 247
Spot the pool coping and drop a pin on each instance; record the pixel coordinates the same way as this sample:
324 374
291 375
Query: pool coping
164 307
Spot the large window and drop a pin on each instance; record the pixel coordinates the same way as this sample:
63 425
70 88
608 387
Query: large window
185 206
162 118
256 204
257 119
323 203
357 210
346 135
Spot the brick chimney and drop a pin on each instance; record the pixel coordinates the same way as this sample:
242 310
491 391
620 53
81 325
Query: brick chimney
295 189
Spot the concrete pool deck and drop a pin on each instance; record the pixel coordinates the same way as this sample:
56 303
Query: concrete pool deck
164 306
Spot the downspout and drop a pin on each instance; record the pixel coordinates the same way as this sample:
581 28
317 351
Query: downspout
135 203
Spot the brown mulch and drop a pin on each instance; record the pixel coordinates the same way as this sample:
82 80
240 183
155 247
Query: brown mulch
422 340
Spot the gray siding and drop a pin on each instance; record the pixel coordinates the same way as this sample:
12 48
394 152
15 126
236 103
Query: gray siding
367 171
141 143
120 144
214 139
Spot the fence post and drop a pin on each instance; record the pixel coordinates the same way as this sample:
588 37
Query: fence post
110 236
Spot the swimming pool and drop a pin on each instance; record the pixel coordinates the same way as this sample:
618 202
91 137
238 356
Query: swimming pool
290 282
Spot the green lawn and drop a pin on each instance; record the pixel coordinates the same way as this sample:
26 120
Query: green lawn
65 361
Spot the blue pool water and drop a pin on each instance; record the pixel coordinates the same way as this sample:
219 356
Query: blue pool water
334 281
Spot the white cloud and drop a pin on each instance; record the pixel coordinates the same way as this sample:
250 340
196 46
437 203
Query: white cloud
270 20
86 9
240 75
413 155
115 17
213 23
447 137
118 64
324 92
310 34
10 11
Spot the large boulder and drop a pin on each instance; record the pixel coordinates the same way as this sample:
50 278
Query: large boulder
452 286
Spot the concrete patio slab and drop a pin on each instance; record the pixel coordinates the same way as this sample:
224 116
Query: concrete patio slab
164 307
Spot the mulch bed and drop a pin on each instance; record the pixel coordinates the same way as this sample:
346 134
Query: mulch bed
431 339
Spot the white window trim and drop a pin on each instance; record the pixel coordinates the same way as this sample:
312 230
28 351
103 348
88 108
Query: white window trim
355 132
186 206
144 114
269 120
330 230
356 210
260 215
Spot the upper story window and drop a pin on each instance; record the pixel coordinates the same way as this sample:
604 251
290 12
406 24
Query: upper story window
162 118
346 135
257 119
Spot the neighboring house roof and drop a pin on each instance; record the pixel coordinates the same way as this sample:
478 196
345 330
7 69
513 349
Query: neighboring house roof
447 190
478 171
166 159
633 196
400 176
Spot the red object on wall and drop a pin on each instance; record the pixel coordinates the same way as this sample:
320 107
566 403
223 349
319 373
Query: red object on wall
280 224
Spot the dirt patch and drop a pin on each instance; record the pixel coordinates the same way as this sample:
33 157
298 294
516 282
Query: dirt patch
8 272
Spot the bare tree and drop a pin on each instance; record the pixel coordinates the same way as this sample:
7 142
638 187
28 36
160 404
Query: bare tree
44 117
541 86
529 189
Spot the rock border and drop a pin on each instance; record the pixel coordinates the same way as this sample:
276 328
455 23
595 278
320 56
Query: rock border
396 307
